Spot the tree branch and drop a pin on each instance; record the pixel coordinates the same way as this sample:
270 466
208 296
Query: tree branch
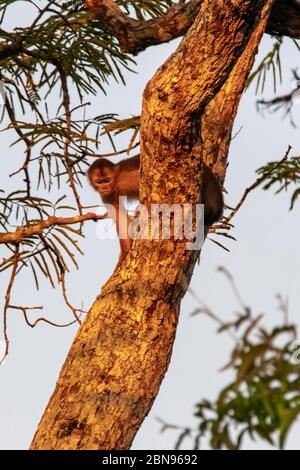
7 301
255 185
24 310
225 224
27 142
135 36
66 105
10 50
38 228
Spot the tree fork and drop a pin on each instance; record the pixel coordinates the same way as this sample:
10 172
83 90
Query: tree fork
120 354
135 35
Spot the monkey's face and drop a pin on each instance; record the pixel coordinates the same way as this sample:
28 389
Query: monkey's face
103 180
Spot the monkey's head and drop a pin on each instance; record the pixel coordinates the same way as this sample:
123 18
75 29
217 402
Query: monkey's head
103 175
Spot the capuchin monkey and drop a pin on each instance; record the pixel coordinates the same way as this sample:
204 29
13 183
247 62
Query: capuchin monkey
112 180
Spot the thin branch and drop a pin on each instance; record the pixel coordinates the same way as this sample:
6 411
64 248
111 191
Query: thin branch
73 309
235 290
7 302
7 262
10 50
252 187
285 102
27 142
38 228
279 100
113 154
51 249
202 309
62 269
40 14
69 163
284 308
38 320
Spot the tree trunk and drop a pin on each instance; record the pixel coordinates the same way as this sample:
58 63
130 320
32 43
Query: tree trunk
121 352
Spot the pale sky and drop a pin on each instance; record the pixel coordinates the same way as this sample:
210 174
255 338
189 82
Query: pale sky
264 260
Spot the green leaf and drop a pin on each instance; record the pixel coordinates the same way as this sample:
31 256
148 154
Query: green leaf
287 423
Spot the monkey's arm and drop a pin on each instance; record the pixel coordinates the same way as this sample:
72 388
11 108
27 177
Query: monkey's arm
122 222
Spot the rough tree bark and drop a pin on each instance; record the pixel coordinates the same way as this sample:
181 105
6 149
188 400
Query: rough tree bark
119 357
135 35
